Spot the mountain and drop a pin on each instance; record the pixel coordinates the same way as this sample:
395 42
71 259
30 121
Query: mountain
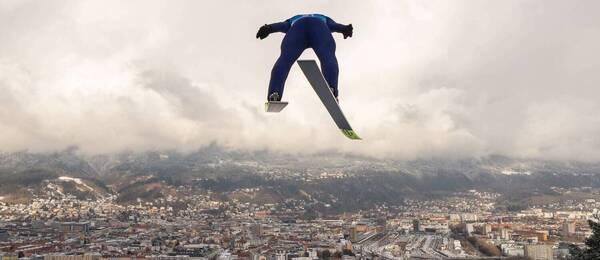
348 181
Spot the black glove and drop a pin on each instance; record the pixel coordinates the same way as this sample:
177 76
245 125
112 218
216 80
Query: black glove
347 31
264 31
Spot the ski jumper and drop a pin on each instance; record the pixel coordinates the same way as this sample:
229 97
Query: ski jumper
302 32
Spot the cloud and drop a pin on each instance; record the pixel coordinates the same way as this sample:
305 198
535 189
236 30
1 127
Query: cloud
418 79
188 100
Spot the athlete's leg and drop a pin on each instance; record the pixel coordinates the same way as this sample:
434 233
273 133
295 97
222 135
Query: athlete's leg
293 44
323 44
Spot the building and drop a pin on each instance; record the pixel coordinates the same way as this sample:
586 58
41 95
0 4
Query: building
72 257
487 229
194 250
280 255
258 257
166 257
353 234
416 225
513 251
568 228
3 235
8 256
469 228
362 227
539 252
257 229
261 214
505 234
75 227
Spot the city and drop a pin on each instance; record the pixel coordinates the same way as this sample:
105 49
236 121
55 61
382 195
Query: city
240 223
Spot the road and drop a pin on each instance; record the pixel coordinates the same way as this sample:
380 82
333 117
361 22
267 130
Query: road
388 245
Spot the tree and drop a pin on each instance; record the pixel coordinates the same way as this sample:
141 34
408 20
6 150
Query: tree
347 252
485 247
592 250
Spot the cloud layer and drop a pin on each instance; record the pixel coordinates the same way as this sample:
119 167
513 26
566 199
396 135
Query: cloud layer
418 79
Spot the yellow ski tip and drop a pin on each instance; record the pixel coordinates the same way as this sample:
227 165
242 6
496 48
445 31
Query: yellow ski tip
350 134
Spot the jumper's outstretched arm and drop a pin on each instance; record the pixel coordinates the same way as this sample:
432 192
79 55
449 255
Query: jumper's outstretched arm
281 27
346 30
267 29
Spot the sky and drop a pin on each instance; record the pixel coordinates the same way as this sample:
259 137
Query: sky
419 79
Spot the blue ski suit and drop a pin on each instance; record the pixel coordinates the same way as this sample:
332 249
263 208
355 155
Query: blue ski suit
302 32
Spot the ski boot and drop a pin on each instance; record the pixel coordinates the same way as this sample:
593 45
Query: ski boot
274 97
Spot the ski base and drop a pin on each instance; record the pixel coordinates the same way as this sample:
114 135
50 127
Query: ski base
319 84
275 106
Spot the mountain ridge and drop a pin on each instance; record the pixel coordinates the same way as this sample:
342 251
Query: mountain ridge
331 177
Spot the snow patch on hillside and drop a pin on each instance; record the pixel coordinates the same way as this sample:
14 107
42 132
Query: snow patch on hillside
513 172
55 188
77 181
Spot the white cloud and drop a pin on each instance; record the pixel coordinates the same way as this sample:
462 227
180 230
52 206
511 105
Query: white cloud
418 79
